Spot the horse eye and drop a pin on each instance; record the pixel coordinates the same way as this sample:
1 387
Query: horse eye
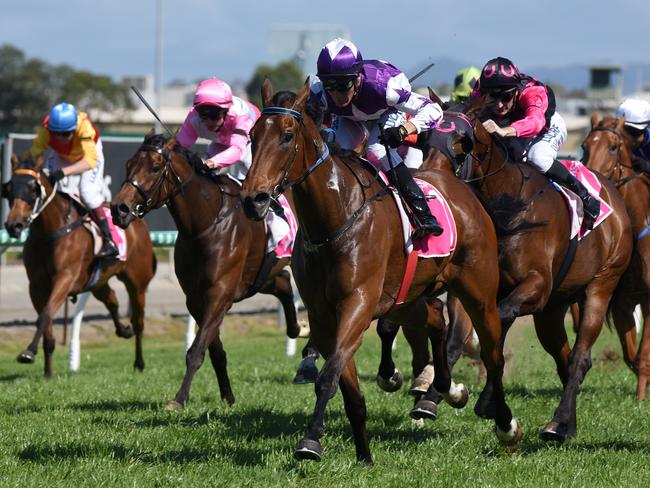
612 148
156 168
287 137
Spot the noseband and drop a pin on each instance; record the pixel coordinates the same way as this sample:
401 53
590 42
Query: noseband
139 209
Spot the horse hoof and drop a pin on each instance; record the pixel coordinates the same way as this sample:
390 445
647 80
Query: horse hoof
424 409
26 357
174 406
458 395
421 384
391 384
510 438
138 366
308 450
306 374
553 432
124 332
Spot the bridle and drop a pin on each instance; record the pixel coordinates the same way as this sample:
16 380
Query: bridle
618 166
284 185
140 209
42 200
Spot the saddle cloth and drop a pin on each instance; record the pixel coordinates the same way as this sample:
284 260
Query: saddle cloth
118 234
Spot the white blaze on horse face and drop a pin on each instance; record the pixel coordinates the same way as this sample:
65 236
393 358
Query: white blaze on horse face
332 182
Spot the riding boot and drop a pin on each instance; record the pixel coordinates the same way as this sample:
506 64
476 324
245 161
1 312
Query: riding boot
109 248
590 205
425 222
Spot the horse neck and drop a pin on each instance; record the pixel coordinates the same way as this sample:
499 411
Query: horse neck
499 175
54 217
196 207
325 199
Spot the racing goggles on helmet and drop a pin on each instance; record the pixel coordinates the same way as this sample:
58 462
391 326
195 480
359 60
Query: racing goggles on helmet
210 112
338 84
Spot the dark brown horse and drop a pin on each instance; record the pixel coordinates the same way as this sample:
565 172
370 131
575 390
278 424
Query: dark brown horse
219 254
58 257
607 149
539 275
349 261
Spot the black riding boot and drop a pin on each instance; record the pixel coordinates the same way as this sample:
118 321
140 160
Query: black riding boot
109 248
590 205
425 223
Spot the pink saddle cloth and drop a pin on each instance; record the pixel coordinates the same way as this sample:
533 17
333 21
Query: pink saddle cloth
285 246
574 204
118 234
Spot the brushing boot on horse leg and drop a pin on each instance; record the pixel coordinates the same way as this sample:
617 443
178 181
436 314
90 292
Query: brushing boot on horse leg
425 223
109 248
590 205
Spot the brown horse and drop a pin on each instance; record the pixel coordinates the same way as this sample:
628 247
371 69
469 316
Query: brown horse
349 261
219 254
541 274
607 149
59 260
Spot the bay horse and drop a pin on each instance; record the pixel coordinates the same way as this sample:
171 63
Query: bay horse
607 149
539 275
219 254
59 259
349 259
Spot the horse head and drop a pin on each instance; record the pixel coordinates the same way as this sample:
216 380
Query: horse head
27 192
607 147
152 178
284 139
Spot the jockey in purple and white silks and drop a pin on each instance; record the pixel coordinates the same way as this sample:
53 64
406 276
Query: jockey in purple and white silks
378 96
637 125
225 120
520 107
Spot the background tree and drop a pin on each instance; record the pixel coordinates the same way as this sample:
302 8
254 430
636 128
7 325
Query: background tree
284 76
29 87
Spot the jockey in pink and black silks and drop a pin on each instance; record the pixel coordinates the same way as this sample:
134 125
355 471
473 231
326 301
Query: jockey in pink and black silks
375 96
223 119
521 110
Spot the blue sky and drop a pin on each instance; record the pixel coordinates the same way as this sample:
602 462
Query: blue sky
229 38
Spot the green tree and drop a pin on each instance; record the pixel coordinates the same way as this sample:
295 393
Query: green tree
284 76
29 87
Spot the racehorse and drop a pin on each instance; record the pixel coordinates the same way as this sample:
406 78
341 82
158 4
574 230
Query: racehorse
219 254
59 258
542 273
349 259
607 149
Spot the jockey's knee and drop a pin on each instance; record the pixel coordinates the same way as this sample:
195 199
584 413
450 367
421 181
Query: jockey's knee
541 158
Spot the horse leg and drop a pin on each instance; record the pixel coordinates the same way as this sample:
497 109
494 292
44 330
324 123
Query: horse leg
623 316
219 300
643 356
59 293
355 408
563 424
220 366
389 378
549 325
421 365
105 294
575 316
355 316
307 371
282 289
136 293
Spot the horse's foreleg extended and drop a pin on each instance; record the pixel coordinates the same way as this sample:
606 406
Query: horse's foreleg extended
105 294
137 300
549 325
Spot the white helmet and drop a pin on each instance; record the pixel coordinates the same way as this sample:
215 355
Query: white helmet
636 112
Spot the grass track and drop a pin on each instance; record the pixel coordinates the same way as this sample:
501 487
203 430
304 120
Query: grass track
106 425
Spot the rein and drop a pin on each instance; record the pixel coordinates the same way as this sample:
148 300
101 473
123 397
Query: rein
139 210
42 200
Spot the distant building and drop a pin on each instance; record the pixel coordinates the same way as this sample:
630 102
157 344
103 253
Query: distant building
606 87
302 44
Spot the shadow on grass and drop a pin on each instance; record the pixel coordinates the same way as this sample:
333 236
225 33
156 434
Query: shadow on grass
115 406
12 377
533 447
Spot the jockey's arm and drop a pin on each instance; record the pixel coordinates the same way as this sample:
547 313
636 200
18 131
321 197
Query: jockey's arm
493 128
76 168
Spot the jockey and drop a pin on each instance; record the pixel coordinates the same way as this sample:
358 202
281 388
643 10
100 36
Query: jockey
226 120
223 119
76 149
464 83
637 125
522 107
378 96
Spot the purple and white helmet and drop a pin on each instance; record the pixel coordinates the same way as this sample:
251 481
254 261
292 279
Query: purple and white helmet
338 59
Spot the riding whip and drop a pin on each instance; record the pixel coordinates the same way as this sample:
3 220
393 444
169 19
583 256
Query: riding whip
153 112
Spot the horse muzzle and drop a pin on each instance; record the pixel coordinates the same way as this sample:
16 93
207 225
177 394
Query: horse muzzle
122 215
15 227
256 206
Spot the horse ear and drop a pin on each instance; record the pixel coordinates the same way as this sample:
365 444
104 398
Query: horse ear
594 119
481 134
302 97
476 106
267 92
620 124
171 143
149 134
434 96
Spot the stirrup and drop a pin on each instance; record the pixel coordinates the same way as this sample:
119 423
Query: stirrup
108 250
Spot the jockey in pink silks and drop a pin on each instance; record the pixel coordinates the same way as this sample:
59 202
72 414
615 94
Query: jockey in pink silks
225 120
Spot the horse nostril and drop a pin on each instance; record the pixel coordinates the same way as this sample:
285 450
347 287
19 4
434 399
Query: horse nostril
123 209
261 199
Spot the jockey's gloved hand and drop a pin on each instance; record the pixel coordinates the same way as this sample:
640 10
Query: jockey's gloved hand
56 176
394 136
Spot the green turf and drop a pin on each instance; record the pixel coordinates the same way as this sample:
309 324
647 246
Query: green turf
106 425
